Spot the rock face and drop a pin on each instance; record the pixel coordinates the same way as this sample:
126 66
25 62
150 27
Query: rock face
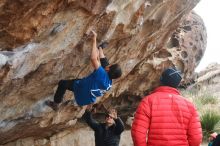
79 137
42 42
208 80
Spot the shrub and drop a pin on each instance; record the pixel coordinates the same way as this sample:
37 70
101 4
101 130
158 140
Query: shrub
209 120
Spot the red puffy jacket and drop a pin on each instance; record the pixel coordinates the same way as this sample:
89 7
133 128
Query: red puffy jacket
165 118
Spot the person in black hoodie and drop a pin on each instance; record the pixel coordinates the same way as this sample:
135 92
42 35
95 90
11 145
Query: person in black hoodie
108 133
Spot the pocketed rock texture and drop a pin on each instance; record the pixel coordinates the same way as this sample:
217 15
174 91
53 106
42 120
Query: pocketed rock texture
42 42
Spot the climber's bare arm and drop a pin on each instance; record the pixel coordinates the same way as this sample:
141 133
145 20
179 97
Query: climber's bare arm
95 53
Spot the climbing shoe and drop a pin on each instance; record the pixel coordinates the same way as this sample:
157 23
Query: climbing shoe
103 45
52 104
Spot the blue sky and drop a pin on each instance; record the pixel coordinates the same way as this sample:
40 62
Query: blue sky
209 11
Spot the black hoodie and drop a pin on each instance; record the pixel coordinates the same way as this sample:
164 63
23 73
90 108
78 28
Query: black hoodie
105 136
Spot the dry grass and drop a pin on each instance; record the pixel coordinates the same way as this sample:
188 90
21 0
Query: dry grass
208 107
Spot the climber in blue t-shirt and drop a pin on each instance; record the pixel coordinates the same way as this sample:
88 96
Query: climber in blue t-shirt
94 85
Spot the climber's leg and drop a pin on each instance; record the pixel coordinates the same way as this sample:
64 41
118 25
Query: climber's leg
63 85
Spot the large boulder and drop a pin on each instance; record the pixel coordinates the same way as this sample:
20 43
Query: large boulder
42 42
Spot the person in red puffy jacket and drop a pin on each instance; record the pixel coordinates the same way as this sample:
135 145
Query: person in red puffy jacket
165 118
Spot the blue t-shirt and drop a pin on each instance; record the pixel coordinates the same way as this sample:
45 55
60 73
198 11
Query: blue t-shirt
87 89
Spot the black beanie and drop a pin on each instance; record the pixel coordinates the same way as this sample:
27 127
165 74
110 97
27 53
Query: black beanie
171 77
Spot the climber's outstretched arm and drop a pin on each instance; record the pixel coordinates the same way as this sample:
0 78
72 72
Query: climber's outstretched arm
95 53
